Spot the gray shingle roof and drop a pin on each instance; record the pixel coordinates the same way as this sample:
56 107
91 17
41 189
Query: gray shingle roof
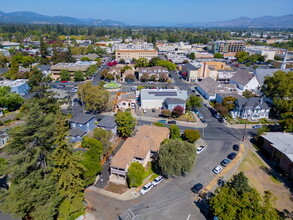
174 101
260 74
242 76
208 85
76 132
252 103
44 67
82 118
190 66
281 141
107 122
3 70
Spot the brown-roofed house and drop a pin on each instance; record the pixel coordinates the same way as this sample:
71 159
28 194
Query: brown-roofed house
142 147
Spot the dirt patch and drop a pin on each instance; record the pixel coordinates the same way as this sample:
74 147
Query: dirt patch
262 178
116 188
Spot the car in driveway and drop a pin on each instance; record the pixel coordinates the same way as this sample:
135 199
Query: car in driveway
217 169
236 147
162 121
200 149
146 188
157 180
256 126
172 122
225 162
197 188
231 156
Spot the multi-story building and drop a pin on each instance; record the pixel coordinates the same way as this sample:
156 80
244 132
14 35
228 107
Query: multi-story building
229 46
158 71
195 72
142 148
128 55
122 46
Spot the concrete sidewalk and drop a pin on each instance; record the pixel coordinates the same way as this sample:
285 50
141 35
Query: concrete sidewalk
128 195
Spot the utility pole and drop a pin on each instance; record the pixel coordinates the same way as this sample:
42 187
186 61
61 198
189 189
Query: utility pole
243 137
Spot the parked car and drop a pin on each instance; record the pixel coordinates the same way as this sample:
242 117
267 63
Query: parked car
132 105
221 120
236 147
146 188
157 180
256 126
199 115
217 169
145 111
200 149
172 122
74 90
162 121
231 156
225 162
203 120
60 86
196 111
217 116
153 110
197 188
53 86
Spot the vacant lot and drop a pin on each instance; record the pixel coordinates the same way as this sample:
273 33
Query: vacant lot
261 178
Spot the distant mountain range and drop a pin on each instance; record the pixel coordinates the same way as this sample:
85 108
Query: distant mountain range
285 21
35 18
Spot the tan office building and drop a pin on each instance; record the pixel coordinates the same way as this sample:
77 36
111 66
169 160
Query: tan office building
131 54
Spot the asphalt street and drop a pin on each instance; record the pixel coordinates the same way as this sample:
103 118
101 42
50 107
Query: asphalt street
173 199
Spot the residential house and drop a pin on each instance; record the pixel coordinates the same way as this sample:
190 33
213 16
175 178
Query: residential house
108 123
155 98
3 138
116 71
84 122
209 88
126 100
46 69
279 147
126 73
198 71
18 86
76 135
171 103
253 108
157 71
142 148
245 80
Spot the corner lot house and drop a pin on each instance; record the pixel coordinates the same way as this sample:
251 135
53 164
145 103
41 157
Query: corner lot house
144 146
171 103
253 108
155 98
279 147
245 80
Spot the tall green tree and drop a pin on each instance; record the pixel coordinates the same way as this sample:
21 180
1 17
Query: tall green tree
191 135
135 174
125 122
141 62
91 159
192 56
104 137
64 75
174 131
78 76
67 171
193 102
279 88
176 157
286 121
33 191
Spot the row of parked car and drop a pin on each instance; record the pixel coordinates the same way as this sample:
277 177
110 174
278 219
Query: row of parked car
227 160
149 186
165 122
198 187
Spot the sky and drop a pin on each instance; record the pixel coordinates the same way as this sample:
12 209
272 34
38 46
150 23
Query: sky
154 12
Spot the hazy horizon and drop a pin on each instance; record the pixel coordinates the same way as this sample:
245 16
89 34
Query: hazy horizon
155 13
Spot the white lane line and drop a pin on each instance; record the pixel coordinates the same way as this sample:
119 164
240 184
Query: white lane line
188 217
